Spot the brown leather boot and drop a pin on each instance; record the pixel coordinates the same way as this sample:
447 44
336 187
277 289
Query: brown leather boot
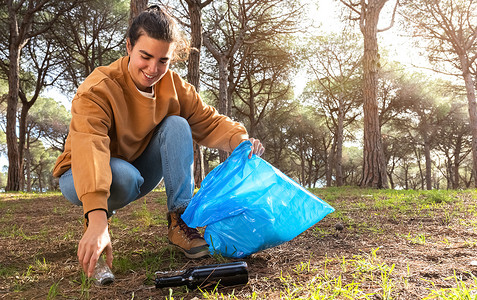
187 239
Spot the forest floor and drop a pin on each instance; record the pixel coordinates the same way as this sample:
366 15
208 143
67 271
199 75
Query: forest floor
393 245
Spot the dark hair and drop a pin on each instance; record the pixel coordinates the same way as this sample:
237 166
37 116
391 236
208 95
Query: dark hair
157 24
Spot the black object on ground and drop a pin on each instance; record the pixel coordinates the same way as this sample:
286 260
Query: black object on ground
209 276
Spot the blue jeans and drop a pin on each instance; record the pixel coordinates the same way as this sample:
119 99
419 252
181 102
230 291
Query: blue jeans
168 156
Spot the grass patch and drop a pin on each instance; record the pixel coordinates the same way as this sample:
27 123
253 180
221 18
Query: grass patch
390 244
462 290
149 218
8 271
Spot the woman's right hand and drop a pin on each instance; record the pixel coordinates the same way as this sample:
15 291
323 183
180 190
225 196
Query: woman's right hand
95 241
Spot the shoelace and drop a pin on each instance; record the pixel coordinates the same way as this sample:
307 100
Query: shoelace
191 233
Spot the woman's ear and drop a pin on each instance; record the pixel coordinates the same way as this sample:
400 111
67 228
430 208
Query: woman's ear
128 46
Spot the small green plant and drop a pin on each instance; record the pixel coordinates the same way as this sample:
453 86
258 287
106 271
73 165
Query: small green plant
53 291
123 264
446 242
408 275
439 196
387 283
41 265
302 268
151 261
461 291
68 235
7 271
26 277
85 285
321 232
447 218
419 239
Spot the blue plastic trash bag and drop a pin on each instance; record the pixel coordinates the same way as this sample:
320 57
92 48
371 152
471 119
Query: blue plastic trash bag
248 206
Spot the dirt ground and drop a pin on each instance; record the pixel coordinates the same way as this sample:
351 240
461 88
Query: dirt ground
423 249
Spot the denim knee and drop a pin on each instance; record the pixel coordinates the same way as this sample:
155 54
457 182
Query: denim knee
175 126
67 188
126 184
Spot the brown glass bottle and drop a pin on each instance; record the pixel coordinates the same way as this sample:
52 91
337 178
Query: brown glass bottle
228 274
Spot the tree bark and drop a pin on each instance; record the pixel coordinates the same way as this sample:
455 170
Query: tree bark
13 151
472 106
193 76
330 160
427 154
223 101
374 165
406 177
21 141
339 145
135 8
458 148
28 165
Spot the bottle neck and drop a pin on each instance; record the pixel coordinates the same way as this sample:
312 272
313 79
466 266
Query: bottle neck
171 279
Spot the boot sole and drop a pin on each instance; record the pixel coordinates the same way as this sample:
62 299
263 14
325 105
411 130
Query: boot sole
199 253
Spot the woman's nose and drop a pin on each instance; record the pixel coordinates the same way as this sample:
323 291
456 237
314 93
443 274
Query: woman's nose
153 68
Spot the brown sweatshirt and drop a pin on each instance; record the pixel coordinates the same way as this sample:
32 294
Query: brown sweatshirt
110 118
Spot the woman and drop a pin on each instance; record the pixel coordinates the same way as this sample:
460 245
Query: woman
133 123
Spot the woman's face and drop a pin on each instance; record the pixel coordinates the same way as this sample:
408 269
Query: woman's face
149 60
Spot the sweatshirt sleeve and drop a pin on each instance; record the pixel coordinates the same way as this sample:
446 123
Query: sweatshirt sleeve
209 128
90 154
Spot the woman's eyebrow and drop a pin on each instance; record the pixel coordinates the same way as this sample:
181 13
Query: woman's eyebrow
145 53
150 55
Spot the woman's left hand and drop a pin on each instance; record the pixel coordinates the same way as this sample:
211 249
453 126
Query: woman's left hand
257 148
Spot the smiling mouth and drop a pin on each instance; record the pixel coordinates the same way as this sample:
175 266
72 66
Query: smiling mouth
148 76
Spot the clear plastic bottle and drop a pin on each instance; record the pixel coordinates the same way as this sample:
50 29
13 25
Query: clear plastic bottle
102 273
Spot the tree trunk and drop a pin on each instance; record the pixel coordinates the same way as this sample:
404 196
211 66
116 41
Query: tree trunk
231 88
390 174
427 154
223 102
13 153
193 77
449 170
251 115
22 137
40 184
391 181
223 75
339 145
199 171
472 106
457 151
374 165
406 177
419 165
330 163
302 165
135 8
28 167
14 171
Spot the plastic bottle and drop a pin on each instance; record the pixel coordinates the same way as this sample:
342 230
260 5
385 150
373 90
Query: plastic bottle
228 274
102 273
